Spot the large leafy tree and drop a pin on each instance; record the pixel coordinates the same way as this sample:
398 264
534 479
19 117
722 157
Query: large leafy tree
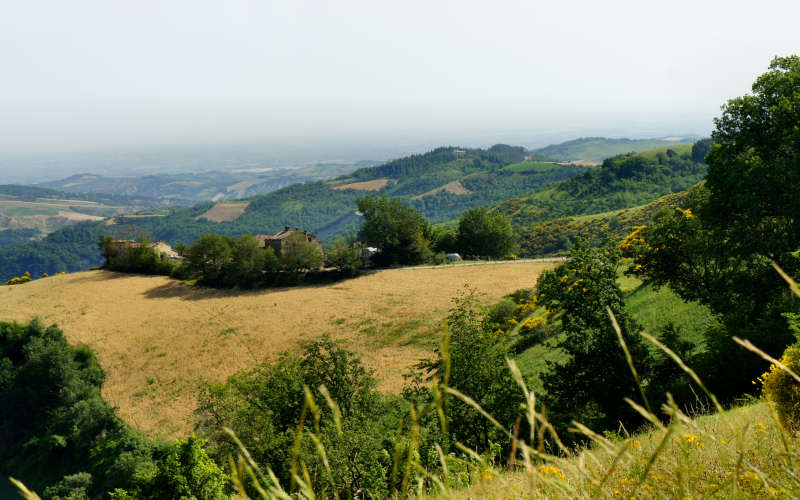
754 166
719 250
590 385
397 230
487 235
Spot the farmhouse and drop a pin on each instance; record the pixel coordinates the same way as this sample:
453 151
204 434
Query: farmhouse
278 240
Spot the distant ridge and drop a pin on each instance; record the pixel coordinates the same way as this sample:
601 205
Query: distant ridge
597 149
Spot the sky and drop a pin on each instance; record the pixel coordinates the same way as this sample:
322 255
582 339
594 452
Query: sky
359 77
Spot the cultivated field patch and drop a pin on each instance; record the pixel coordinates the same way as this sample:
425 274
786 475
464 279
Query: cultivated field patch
454 187
158 339
373 185
224 212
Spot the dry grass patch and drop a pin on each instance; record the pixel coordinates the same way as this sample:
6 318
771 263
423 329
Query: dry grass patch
158 338
76 216
741 453
374 185
225 212
454 187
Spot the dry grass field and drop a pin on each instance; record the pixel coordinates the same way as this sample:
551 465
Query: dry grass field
454 187
158 338
224 212
374 185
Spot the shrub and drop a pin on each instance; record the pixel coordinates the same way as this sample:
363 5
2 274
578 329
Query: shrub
782 391
19 279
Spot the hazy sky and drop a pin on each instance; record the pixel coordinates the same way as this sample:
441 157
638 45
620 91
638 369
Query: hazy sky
108 74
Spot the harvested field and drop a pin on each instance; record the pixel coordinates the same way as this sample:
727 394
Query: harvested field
68 214
224 212
454 187
374 185
158 338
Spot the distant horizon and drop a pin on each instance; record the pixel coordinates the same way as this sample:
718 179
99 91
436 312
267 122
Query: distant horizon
38 167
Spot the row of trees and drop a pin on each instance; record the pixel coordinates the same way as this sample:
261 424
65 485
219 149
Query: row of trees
403 236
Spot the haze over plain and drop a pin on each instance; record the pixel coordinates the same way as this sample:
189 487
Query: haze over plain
302 81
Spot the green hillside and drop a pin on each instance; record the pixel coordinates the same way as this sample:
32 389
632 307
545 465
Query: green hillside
597 149
558 235
441 184
622 182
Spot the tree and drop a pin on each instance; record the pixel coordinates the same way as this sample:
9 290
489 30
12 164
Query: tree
208 257
483 234
300 254
397 230
247 265
747 215
754 165
590 385
346 257
478 369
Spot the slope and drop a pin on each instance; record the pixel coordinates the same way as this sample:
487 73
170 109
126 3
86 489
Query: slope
624 181
158 339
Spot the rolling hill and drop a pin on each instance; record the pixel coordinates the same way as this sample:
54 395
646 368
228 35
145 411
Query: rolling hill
441 184
189 188
28 213
622 182
597 149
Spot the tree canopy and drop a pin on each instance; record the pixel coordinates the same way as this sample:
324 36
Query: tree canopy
487 235
397 230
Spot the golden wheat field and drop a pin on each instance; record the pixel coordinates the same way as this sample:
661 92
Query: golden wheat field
158 338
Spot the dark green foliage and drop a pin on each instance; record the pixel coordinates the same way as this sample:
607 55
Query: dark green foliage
11 236
719 253
589 387
299 254
700 150
397 230
137 257
264 407
61 438
486 235
754 166
344 256
476 364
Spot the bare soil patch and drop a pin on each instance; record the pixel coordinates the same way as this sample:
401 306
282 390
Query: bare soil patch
454 187
159 339
225 212
373 185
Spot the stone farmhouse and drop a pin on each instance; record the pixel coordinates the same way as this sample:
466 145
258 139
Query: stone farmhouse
278 240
